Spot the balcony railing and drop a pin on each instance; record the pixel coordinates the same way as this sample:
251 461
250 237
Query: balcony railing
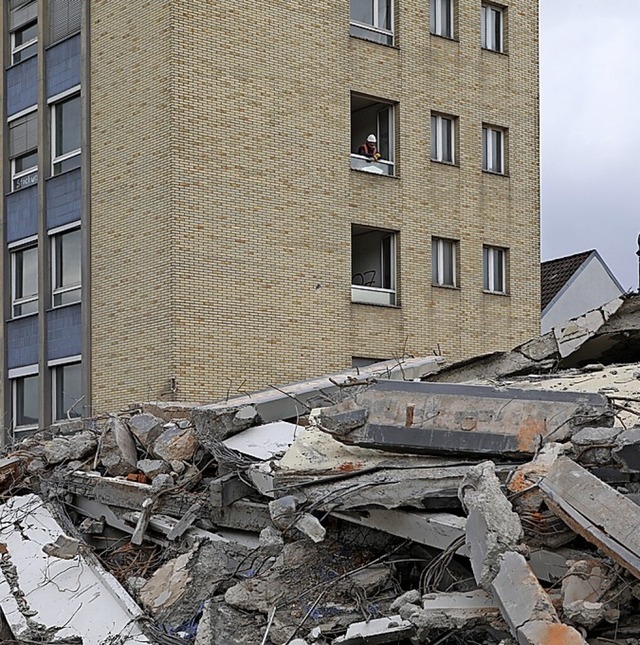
373 295
366 164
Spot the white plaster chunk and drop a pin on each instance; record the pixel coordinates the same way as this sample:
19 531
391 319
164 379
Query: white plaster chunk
75 594
266 441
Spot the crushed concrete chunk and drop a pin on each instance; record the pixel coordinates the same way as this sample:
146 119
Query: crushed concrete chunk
146 428
626 451
153 467
175 443
78 446
64 547
492 527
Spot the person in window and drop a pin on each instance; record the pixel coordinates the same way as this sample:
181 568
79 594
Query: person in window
370 149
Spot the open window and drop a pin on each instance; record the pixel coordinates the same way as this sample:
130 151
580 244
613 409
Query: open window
67 391
372 20
373 265
24 398
372 118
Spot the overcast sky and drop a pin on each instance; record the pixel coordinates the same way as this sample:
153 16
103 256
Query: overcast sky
590 128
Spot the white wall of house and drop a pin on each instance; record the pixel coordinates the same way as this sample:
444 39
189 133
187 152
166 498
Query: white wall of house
589 288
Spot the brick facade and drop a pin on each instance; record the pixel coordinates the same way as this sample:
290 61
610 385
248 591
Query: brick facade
222 197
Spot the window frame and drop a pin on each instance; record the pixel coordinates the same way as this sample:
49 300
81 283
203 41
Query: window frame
488 161
437 138
57 368
32 171
436 19
488 269
60 291
438 271
492 27
16 50
374 28
385 166
55 103
16 377
27 244
385 295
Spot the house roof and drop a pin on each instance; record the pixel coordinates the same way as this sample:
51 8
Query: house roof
554 274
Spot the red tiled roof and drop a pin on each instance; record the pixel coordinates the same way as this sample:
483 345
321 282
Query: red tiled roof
554 274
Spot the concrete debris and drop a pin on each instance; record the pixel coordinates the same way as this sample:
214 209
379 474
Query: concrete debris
354 508
492 528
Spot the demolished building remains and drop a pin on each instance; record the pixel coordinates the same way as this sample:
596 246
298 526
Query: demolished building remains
495 501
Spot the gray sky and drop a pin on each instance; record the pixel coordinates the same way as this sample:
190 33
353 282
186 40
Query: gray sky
590 129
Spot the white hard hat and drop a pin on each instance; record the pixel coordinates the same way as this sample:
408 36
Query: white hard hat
371 138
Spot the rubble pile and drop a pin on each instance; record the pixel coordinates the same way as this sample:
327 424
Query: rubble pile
384 505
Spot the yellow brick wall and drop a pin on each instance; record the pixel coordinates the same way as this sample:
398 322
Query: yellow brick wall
131 201
242 220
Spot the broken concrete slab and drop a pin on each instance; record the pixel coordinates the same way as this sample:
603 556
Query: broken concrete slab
492 527
526 607
436 530
225 490
70 598
266 441
573 334
595 510
462 419
218 421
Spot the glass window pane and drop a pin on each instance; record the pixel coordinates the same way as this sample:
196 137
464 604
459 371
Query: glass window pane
384 15
447 149
68 391
498 282
68 259
447 262
485 149
25 34
435 261
25 162
447 13
485 268
384 146
27 273
362 11
67 126
26 400
434 137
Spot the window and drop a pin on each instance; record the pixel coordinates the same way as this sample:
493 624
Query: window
65 17
24 281
444 258
373 266
442 138
66 134
371 117
494 263
24 42
492 27
373 20
66 267
23 153
493 149
24 397
442 18
67 391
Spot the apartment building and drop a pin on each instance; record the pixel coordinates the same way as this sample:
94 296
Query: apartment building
188 213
